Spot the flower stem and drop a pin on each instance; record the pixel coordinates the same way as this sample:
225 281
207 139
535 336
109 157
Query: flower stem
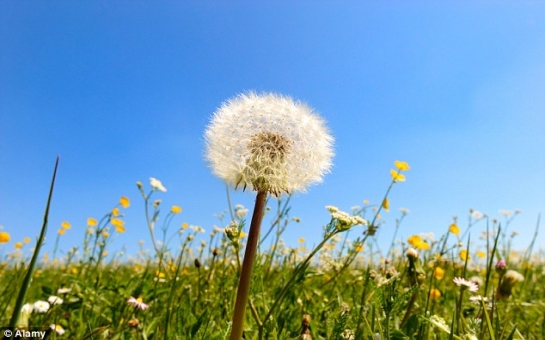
247 264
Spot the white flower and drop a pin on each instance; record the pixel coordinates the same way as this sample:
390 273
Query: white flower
476 300
477 215
461 282
27 309
268 143
55 300
57 328
505 213
41 306
137 303
156 184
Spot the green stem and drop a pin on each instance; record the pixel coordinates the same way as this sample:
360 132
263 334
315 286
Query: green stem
39 243
246 273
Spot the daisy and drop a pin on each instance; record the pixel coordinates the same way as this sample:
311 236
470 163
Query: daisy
138 303
461 282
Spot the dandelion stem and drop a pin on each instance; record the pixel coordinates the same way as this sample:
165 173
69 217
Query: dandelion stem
247 264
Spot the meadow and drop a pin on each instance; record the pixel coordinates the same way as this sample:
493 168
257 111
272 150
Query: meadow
457 285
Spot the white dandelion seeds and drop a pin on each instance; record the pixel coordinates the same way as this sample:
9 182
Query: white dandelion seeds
268 143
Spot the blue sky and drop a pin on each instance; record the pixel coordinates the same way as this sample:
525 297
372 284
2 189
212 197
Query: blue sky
123 91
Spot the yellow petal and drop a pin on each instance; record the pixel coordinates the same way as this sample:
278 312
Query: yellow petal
402 166
125 202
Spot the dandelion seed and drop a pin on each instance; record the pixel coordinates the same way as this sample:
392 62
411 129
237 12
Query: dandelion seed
268 143
156 184
41 306
138 303
464 284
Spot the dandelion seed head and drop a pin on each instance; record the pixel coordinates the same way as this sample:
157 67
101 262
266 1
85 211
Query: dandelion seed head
268 143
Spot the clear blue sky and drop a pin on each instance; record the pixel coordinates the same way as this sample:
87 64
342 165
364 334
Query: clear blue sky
123 91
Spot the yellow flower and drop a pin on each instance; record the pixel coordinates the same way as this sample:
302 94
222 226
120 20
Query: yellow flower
397 177
61 231
4 237
105 253
423 245
386 204
453 228
481 254
18 245
175 209
26 240
464 255
125 202
359 248
105 234
185 225
435 294
91 222
66 225
439 273
402 166
118 224
301 240
414 240
115 211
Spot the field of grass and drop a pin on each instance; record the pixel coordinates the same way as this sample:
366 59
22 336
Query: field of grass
453 287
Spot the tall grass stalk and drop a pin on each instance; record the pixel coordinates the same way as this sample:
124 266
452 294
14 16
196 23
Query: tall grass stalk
28 276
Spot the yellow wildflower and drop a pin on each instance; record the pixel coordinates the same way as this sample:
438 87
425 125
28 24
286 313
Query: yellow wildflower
66 225
435 294
61 231
396 176
118 224
439 273
175 209
464 255
115 211
91 222
423 245
453 228
386 204
4 237
185 225
402 166
414 240
18 245
26 240
105 234
481 254
125 202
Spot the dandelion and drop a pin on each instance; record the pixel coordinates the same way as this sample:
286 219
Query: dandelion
57 328
268 143
156 184
272 145
41 306
124 202
55 300
464 284
175 209
91 222
138 303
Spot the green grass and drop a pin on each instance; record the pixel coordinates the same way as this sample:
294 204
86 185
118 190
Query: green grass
349 289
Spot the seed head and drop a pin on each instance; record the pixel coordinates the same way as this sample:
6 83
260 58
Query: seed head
268 143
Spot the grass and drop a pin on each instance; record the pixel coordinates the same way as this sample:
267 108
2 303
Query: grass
344 288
